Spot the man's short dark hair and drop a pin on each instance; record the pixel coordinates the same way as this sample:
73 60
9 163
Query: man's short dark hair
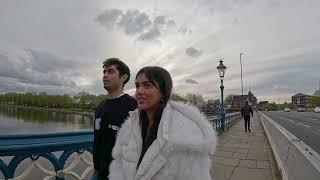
121 67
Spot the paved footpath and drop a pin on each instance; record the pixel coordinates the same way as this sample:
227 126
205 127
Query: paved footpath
244 156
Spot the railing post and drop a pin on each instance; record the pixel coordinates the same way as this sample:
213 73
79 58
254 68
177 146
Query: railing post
222 116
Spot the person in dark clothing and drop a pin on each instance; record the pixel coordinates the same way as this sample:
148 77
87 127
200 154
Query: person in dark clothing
245 111
110 115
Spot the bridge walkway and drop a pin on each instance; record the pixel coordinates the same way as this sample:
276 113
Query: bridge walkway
242 155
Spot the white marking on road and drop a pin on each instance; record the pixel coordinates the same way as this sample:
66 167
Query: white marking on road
303 125
291 120
313 119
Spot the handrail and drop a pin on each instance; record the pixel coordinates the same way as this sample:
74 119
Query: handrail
229 120
33 146
27 143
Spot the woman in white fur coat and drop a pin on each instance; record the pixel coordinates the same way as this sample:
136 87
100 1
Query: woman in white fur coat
162 140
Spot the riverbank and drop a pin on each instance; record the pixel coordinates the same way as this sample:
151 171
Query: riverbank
66 111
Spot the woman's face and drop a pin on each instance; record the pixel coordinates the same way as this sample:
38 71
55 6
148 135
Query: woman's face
147 94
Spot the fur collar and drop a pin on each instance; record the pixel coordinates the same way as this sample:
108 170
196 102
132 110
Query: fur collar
182 128
195 133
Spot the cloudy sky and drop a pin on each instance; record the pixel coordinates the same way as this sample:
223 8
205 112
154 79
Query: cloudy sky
58 46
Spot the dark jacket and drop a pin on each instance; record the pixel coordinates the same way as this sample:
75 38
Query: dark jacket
246 110
109 116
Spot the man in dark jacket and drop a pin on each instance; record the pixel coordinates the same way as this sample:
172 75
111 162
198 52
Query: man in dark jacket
110 115
245 111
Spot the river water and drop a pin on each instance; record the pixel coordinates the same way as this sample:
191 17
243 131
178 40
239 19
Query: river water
18 120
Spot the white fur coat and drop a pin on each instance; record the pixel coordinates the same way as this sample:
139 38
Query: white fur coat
181 151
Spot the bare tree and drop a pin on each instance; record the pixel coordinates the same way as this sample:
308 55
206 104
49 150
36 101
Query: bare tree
195 99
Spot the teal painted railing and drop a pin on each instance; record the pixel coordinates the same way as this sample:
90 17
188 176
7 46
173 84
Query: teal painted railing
229 120
56 149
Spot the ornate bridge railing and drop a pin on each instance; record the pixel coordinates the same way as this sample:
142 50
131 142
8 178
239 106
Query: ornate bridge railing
229 120
49 154
58 155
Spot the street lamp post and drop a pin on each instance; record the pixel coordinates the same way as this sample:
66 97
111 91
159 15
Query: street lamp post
221 70
241 74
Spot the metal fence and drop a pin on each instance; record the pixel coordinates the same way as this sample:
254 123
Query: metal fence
229 120
53 150
49 153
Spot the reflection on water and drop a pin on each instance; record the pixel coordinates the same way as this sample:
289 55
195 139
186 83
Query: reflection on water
16 120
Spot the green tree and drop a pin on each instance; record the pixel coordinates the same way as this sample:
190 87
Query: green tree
85 100
315 101
213 102
270 106
228 100
284 105
99 99
195 99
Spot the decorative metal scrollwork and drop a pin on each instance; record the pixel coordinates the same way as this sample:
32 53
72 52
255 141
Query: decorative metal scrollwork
34 156
28 147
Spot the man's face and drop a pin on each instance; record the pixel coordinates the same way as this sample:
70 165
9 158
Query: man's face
111 78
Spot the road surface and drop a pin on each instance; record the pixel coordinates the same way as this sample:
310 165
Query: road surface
304 125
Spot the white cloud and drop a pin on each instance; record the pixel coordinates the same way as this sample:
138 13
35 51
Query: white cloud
134 22
69 41
38 71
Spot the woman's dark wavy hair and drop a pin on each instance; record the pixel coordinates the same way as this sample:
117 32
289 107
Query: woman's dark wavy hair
160 78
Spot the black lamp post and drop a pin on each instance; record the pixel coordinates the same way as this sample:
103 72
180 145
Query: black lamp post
221 70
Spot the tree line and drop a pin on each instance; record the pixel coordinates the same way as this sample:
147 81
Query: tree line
315 99
86 101
314 102
81 101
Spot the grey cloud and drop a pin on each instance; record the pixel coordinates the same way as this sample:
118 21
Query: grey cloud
160 20
288 76
285 85
171 22
15 85
185 31
45 62
150 35
31 68
134 22
10 85
160 25
109 18
163 22
274 3
96 86
6 66
193 52
191 81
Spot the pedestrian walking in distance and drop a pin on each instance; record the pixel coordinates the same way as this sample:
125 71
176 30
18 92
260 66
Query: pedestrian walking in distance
245 111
